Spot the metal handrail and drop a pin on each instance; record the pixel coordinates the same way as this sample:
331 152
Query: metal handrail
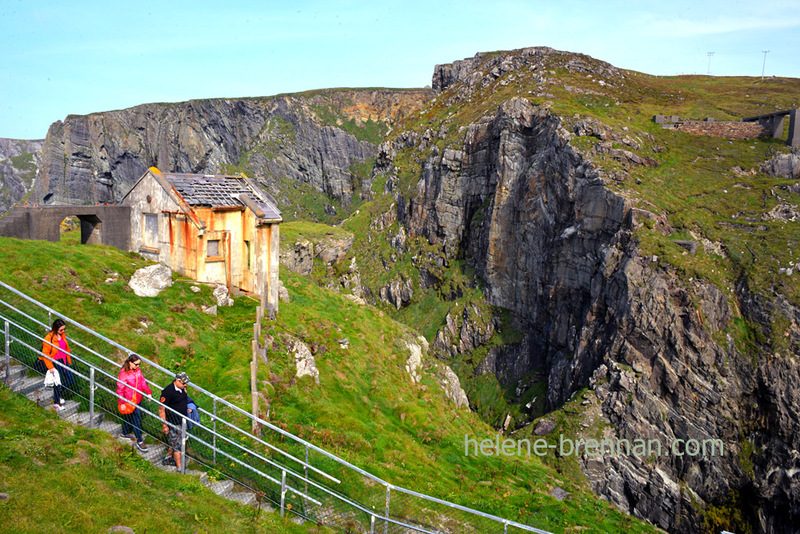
183 417
159 403
158 367
309 446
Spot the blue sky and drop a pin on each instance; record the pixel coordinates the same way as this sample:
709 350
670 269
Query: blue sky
60 58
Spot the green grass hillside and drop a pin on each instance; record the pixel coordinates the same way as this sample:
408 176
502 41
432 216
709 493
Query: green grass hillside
365 409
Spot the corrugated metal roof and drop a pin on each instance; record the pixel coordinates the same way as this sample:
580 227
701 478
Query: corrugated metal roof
221 191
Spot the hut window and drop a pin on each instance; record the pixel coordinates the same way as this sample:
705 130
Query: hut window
150 230
212 249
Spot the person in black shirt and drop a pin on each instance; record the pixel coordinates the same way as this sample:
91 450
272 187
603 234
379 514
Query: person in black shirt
174 396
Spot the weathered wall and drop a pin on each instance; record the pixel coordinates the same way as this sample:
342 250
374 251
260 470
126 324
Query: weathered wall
159 202
107 225
729 130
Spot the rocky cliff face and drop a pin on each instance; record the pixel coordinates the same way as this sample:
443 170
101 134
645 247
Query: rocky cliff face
19 161
556 245
315 139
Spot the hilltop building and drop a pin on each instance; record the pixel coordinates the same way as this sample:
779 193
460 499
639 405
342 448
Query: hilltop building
219 229
211 228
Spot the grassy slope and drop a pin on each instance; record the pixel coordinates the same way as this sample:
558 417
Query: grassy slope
66 478
365 408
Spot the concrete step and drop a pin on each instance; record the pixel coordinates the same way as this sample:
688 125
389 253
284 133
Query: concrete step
82 418
156 461
155 452
110 426
244 497
167 468
43 397
70 408
124 441
220 487
27 385
16 372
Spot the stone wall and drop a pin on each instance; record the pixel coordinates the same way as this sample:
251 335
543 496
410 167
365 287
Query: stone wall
730 130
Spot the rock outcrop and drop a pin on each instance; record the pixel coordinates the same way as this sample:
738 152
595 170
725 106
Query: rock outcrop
284 142
398 292
785 165
19 161
304 360
151 280
414 361
452 389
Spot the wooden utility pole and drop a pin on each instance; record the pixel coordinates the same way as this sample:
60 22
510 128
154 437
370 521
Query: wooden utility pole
254 363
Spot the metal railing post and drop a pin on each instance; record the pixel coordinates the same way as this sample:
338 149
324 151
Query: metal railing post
214 426
305 471
505 529
183 445
388 497
283 490
372 524
7 332
91 397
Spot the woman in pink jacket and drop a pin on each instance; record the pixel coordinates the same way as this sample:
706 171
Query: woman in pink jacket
130 376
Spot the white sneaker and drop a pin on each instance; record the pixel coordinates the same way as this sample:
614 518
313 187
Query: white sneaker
62 402
58 407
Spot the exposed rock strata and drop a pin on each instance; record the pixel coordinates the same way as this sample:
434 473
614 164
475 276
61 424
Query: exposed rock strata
304 360
398 292
452 388
286 140
19 161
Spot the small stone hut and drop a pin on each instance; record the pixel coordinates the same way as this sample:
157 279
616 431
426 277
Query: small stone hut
211 228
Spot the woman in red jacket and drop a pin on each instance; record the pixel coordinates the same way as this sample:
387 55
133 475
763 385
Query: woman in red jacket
130 376
55 347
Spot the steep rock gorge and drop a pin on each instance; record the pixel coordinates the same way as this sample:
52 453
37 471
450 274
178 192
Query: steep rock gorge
552 242
314 138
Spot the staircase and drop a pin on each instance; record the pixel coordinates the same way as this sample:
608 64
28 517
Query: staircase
33 388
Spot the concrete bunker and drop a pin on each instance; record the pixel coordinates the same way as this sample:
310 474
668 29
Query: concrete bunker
99 225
